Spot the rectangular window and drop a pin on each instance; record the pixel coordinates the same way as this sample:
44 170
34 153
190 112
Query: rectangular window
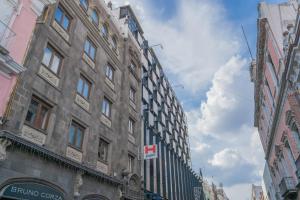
83 87
109 72
38 114
62 18
103 150
133 66
52 59
131 124
130 163
132 94
90 49
76 135
106 107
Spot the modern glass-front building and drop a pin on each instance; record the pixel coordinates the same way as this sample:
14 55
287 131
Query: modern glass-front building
169 176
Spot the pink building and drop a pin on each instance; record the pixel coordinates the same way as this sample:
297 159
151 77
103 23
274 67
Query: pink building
17 22
275 75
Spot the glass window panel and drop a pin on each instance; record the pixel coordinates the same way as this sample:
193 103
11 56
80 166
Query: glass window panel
104 30
79 138
84 3
80 86
66 23
55 64
58 14
44 117
87 46
47 56
95 17
92 52
86 90
109 72
114 43
72 135
32 111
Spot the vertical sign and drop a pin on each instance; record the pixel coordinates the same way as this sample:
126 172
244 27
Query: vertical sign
150 152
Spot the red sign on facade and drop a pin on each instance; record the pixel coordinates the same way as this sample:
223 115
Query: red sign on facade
150 152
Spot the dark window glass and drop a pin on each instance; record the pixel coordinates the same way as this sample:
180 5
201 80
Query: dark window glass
103 150
132 94
38 114
104 31
114 43
130 163
76 135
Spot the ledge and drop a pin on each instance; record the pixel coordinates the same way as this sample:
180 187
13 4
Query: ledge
41 151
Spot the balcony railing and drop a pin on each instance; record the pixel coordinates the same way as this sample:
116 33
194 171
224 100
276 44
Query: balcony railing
6 34
287 187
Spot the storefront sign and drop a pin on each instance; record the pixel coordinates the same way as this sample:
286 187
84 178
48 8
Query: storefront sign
150 152
32 191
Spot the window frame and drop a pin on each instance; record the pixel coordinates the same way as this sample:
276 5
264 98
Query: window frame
77 126
91 45
109 66
104 25
131 124
37 123
134 68
107 151
83 6
105 99
56 53
114 43
64 14
95 11
85 81
132 91
130 164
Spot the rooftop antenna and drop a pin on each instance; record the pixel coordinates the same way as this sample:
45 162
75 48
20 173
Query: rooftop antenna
245 37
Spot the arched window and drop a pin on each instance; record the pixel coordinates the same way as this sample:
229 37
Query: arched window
84 4
290 155
104 31
95 17
296 136
114 43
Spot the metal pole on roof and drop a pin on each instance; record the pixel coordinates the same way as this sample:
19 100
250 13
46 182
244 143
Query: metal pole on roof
245 37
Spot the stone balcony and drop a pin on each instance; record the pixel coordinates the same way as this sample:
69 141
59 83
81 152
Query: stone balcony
288 188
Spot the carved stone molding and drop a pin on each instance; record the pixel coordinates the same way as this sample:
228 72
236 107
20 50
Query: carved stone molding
4 143
78 183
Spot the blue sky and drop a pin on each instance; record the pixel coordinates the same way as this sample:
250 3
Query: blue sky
204 50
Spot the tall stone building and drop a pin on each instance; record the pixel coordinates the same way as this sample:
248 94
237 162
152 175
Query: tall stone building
73 128
276 78
256 192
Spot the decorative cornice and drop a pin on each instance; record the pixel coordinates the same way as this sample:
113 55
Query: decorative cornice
51 156
10 65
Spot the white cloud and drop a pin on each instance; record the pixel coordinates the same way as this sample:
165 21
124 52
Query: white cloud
201 50
200 147
227 158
